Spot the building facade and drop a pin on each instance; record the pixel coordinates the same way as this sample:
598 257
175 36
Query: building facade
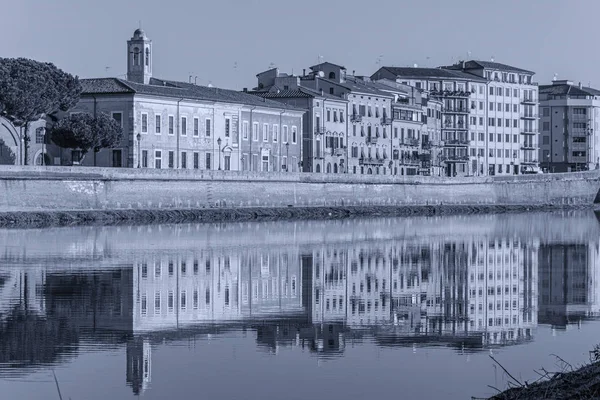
570 138
12 144
325 123
368 114
170 124
512 144
489 117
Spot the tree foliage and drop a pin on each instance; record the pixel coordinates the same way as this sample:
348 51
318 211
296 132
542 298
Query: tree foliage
30 90
86 132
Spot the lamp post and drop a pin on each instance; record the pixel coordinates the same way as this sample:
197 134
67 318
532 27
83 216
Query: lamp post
219 144
139 140
287 152
548 162
43 146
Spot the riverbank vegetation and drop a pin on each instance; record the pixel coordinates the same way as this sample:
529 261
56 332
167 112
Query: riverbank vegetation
569 383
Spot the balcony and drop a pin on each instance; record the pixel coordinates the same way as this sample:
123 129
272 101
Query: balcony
371 139
386 121
462 127
356 118
529 162
457 143
455 158
528 100
528 131
410 161
450 93
527 147
339 152
370 161
456 110
529 116
320 130
411 142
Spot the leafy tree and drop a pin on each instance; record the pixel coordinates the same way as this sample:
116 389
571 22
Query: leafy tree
30 90
86 132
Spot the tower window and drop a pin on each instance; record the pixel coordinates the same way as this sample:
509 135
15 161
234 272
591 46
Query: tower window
147 56
136 56
332 75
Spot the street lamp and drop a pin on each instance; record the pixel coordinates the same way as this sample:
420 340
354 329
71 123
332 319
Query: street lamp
219 144
548 162
43 132
287 150
139 140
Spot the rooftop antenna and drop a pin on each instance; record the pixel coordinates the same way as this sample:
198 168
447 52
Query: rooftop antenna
555 76
271 65
140 24
190 79
106 69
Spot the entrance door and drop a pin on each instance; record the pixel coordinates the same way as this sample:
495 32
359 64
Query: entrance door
117 159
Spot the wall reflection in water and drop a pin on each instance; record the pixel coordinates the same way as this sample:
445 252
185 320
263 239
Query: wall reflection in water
470 283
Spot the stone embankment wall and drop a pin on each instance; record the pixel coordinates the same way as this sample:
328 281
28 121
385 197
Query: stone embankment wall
80 188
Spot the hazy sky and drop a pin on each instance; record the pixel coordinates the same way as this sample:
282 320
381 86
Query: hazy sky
226 42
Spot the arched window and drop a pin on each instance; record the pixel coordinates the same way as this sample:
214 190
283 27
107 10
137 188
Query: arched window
335 168
332 75
318 169
136 56
369 171
328 168
147 56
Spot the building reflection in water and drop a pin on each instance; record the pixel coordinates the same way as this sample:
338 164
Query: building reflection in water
468 291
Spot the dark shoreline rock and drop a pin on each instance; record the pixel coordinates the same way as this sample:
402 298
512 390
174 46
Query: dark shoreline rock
52 218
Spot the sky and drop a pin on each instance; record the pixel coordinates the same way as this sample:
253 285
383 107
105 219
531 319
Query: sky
227 42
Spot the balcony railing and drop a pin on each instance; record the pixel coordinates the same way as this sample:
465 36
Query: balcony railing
455 158
529 116
528 100
410 142
370 161
528 131
371 139
410 161
527 147
339 152
463 126
456 110
450 93
356 118
386 121
320 130
457 142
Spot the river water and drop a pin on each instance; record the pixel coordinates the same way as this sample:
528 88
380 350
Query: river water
346 309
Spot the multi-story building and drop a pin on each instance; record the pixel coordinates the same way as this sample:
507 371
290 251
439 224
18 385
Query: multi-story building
416 130
368 116
169 124
324 147
489 117
512 142
453 89
570 138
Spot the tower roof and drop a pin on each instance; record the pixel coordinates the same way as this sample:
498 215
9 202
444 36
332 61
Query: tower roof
139 34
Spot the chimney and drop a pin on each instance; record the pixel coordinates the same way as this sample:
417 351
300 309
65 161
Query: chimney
463 64
245 90
304 72
579 85
353 72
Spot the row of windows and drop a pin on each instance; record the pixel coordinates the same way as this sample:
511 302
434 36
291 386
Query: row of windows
183 127
145 161
269 133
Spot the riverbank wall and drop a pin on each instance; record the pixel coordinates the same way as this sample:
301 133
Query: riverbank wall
229 194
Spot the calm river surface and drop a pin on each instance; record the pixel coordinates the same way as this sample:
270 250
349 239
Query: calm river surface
353 309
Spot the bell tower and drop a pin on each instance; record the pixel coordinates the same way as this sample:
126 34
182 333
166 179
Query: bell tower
139 58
